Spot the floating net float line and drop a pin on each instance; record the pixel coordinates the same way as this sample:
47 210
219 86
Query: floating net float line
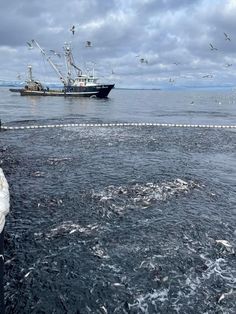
85 125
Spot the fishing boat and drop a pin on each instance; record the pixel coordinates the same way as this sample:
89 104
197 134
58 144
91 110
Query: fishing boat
75 83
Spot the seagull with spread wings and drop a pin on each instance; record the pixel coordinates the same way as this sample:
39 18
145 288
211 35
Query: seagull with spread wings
73 29
227 37
142 60
55 53
208 76
30 46
88 44
212 47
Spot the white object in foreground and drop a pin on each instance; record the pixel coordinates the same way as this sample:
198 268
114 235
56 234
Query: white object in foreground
4 199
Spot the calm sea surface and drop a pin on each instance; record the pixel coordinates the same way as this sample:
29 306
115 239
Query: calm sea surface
120 219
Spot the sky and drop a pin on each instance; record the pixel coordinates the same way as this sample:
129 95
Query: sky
134 43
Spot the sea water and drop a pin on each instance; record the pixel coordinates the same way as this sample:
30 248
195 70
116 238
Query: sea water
120 219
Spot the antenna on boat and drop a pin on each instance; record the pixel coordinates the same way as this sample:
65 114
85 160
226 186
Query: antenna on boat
50 62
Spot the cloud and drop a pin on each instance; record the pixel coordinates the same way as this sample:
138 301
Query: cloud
172 36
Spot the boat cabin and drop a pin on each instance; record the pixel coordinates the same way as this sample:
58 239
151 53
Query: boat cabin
34 85
85 80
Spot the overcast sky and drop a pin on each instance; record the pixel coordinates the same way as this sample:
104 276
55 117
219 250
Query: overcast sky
135 43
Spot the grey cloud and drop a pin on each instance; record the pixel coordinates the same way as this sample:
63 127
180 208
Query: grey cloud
163 32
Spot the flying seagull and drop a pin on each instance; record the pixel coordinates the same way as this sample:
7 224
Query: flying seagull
55 53
207 76
73 29
30 46
142 60
228 65
88 44
176 63
227 37
212 47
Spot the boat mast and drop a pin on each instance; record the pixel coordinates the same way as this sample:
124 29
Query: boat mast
50 62
70 62
30 73
67 52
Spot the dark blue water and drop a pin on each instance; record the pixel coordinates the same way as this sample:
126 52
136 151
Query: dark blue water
120 219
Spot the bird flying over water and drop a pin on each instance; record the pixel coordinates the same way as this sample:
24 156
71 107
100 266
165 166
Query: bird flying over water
73 29
228 65
227 37
212 47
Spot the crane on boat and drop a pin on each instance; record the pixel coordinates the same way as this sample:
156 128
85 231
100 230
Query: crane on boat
59 73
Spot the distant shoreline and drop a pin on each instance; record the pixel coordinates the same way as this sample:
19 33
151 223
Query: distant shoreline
172 88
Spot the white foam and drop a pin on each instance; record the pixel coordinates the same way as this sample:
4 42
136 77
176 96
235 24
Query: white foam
142 300
67 228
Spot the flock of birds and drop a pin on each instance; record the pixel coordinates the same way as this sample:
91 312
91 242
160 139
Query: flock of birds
212 48
142 60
